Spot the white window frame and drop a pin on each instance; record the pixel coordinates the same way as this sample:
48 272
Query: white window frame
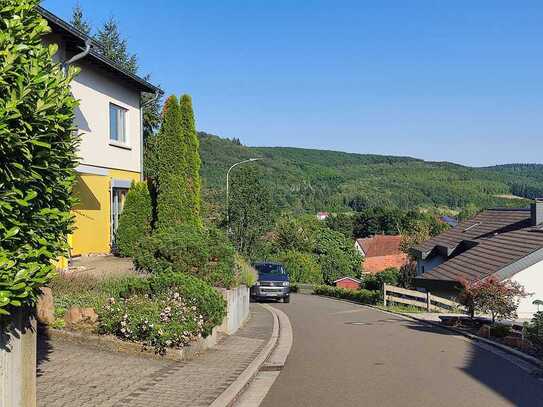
122 126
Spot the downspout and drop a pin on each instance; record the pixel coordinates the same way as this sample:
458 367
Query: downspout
79 56
142 106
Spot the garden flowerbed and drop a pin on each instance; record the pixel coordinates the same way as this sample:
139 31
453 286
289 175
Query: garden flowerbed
166 311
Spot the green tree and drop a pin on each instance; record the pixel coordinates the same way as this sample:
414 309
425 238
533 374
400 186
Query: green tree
337 256
301 267
192 160
38 149
79 21
251 209
135 220
114 47
171 185
341 222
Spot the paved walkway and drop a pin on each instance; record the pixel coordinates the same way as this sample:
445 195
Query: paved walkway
70 374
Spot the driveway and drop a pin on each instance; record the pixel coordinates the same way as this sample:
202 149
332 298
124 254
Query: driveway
348 355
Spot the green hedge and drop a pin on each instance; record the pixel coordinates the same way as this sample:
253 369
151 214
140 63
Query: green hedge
38 146
135 220
362 296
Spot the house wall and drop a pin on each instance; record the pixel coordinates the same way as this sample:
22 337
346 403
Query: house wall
531 279
349 284
95 89
429 263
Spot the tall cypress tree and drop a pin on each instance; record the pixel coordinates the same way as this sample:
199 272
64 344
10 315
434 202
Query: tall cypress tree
192 159
172 204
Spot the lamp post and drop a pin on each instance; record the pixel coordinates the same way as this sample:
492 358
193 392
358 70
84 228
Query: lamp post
228 188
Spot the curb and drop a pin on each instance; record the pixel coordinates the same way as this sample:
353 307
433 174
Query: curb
232 392
475 338
278 358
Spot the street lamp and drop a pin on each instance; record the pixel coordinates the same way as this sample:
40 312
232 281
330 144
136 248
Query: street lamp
250 160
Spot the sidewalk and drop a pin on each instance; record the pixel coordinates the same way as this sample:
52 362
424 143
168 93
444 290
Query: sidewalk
70 374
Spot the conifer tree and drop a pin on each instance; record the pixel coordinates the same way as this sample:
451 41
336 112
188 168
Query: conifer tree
78 20
192 159
115 47
171 186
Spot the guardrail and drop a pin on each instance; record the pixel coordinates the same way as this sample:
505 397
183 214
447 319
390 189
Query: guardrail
426 300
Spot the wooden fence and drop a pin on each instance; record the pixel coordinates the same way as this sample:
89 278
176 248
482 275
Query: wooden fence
419 299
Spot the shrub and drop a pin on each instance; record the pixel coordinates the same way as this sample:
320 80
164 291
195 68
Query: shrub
245 273
135 220
534 329
302 267
500 331
181 248
294 288
498 298
197 292
38 149
389 276
362 296
187 248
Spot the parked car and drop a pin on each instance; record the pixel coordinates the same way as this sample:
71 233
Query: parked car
272 283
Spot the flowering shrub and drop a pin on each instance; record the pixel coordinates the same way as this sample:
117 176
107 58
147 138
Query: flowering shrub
500 299
166 321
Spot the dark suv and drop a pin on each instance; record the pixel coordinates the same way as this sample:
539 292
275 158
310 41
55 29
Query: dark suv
273 282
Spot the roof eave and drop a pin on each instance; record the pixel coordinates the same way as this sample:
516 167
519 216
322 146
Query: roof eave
143 85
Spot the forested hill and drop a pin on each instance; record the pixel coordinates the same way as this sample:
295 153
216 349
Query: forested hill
317 180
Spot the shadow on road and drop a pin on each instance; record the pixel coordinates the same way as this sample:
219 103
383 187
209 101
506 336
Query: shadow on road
45 349
515 384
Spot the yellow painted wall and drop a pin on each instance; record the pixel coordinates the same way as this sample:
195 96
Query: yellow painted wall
93 211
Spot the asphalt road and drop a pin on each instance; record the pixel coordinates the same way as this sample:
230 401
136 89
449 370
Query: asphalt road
347 355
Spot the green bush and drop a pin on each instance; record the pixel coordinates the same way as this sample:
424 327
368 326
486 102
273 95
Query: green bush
534 330
389 276
197 292
302 267
187 248
500 331
38 148
135 220
294 288
245 273
362 296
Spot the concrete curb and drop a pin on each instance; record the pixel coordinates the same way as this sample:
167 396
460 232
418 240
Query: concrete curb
278 358
521 355
232 392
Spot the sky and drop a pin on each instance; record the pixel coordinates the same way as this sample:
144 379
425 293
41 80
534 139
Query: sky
458 81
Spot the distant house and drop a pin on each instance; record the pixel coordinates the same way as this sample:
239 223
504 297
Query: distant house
502 243
381 252
322 215
350 283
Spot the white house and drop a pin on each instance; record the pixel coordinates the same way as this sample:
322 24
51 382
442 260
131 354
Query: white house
499 243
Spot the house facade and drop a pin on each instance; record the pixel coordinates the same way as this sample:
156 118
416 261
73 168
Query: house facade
506 244
381 252
109 122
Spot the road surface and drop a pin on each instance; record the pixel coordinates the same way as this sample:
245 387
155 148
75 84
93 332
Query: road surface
347 355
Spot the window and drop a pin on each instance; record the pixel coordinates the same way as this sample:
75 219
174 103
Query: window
117 124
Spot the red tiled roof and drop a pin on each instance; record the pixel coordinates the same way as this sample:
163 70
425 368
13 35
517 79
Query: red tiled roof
376 264
380 245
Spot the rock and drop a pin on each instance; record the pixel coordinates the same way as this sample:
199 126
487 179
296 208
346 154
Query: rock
89 315
484 331
73 316
46 307
77 315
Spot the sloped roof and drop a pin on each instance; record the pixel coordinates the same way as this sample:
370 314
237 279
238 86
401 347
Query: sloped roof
498 242
75 43
380 245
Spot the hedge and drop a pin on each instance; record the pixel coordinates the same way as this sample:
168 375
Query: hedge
38 145
362 296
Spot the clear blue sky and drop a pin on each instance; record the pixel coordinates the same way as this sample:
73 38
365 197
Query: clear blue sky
454 80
